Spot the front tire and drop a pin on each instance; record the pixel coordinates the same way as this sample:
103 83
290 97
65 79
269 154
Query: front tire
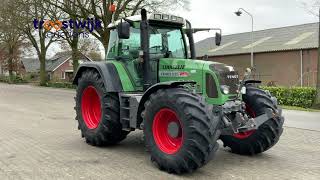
267 135
97 111
194 135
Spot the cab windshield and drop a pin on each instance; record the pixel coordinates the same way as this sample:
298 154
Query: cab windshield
165 41
168 41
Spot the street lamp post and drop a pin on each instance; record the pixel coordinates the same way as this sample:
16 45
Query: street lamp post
238 13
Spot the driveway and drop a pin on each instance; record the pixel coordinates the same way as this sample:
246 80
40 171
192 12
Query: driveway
39 140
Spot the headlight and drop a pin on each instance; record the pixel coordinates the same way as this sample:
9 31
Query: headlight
225 89
243 90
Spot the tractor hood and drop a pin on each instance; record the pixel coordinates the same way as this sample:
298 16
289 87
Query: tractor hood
181 70
184 69
209 76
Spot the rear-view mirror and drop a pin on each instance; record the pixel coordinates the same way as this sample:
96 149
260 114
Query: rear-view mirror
123 29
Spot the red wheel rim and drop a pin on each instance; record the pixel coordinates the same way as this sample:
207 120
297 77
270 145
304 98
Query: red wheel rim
160 129
246 134
91 107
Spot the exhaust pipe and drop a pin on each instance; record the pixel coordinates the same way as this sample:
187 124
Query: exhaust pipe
144 40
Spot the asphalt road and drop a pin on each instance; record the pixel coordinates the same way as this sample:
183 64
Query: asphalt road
298 119
39 140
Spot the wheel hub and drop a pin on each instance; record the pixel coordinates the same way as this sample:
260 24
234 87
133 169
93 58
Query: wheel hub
173 129
167 131
91 107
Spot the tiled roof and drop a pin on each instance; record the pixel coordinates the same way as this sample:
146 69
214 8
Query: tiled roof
33 65
303 36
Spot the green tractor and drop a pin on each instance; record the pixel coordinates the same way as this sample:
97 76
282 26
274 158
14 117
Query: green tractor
152 81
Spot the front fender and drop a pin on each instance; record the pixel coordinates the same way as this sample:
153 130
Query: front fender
154 88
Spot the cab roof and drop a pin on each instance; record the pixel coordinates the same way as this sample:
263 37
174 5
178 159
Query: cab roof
154 17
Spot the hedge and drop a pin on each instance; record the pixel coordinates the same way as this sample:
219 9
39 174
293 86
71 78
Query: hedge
13 80
293 96
60 85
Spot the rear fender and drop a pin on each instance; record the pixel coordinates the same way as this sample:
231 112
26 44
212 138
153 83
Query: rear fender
107 71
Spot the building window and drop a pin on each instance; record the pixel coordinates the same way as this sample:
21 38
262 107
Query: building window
63 75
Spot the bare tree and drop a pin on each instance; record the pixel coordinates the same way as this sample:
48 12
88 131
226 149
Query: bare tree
313 8
94 55
85 45
32 14
10 35
71 36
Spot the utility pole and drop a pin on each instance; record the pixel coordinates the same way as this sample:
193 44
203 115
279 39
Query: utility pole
316 103
238 13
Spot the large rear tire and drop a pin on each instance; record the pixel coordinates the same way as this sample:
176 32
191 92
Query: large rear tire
267 135
193 140
97 111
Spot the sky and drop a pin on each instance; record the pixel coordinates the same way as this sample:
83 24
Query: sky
266 13
220 14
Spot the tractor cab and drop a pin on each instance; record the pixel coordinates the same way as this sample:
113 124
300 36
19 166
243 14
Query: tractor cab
166 40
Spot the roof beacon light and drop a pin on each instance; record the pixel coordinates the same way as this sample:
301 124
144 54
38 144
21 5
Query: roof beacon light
174 18
112 8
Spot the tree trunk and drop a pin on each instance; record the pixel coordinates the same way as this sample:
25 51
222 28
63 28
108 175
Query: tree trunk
75 60
10 64
316 103
74 48
75 55
43 73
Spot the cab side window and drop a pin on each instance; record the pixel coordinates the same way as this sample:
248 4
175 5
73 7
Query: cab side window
155 43
130 47
112 48
176 43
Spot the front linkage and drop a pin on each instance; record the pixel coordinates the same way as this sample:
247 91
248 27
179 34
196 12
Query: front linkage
253 125
239 117
236 120
260 132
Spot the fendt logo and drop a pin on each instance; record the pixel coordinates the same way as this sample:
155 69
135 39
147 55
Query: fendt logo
55 26
173 66
233 76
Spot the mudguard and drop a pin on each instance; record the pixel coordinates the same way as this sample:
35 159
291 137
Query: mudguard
154 88
106 70
252 81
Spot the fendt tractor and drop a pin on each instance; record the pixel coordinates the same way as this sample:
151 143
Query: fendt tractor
152 81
